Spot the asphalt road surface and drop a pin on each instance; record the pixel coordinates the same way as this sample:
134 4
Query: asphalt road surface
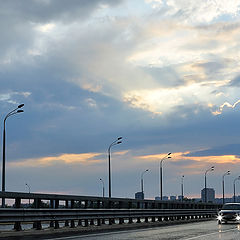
208 230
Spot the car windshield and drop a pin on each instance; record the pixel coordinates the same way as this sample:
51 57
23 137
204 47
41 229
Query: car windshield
231 207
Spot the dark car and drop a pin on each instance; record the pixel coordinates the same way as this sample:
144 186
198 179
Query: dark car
230 212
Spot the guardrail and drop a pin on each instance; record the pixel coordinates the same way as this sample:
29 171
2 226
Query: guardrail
54 208
96 216
74 201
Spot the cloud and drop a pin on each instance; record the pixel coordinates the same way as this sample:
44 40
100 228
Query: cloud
225 106
83 158
197 12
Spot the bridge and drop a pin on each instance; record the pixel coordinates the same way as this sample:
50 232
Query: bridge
72 211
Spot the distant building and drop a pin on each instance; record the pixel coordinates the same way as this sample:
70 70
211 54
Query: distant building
210 194
180 198
165 198
139 195
173 198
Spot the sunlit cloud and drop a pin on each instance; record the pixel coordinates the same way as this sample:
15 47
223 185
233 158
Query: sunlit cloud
83 158
165 100
46 27
225 105
66 158
193 164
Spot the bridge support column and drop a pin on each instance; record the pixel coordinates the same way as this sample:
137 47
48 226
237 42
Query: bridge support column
159 219
165 218
103 221
121 220
146 219
98 222
86 223
153 219
138 220
130 220
66 223
17 226
56 224
80 222
92 222
72 224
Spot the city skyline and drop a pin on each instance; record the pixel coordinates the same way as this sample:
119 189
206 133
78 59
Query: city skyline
162 74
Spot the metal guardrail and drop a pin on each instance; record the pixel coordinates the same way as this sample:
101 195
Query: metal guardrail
91 210
74 201
53 216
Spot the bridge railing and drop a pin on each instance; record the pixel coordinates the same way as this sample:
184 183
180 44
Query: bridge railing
74 201
86 217
95 210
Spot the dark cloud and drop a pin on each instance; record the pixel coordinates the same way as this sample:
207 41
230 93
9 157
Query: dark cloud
161 74
209 67
230 149
41 11
235 82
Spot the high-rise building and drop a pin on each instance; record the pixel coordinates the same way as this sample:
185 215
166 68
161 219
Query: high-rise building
210 195
173 198
139 195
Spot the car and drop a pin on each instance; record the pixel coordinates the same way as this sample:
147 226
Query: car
230 212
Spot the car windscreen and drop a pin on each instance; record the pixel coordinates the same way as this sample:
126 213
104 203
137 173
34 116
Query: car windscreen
231 207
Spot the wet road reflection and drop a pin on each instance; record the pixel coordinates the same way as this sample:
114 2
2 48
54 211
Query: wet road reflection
209 230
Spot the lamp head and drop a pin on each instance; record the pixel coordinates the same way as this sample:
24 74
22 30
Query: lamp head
212 168
169 153
21 105
169 157
228 172
119 138
20 111
119 142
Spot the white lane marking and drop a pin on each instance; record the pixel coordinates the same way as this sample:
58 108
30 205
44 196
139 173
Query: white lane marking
127 231
100 234
204 235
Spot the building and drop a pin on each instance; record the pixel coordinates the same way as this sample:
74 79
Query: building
173 198
165 198
210 195
180 198
139 195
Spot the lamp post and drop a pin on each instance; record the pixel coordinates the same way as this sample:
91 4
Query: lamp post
117 141
142 182
182 187
103 188
13 112
160 173
29 190
225 174
205 189
234 192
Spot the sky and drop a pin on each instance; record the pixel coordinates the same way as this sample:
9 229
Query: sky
162 74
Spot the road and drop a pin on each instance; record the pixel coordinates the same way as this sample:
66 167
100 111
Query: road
208 230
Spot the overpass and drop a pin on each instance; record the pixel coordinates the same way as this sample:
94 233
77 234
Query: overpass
72 210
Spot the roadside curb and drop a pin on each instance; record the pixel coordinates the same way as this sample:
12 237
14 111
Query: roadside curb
49 233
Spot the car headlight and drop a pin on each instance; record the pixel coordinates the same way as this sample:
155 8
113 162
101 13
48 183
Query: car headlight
238 218
219 217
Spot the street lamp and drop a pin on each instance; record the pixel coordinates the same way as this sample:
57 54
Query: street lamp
117 141
13 112
160 173
29 190
142 182
234 192
205 189
103 188
226 173
182 187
